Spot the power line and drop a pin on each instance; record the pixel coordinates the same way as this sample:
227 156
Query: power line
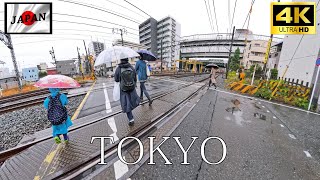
62 39
71 15
215 15
229 13
295 50
137 8
208 15
100 9
234 10
72 22
125 8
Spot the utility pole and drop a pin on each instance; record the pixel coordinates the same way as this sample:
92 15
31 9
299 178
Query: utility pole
53 58
266 58
161 57
6 39
80 64
122 31
228 65
87 57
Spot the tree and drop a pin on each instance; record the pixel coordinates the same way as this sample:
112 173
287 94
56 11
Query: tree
274 73
258 69
42 74
235 60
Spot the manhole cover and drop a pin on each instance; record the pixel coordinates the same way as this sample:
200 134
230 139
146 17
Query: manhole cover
260 116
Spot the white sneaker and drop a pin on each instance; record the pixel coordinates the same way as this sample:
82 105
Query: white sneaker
131 122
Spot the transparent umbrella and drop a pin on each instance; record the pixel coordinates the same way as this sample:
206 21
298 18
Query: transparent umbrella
114 53
57 81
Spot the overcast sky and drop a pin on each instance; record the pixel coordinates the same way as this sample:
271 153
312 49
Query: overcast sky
191 14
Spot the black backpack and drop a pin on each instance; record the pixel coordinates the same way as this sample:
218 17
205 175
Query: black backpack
127 79
57 113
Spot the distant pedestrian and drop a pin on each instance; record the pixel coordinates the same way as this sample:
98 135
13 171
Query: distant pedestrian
141 68
129 99
58 114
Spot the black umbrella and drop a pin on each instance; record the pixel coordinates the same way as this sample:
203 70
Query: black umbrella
147 55
212 66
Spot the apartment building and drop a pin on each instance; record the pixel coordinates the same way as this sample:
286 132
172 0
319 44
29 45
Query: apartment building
148 35
254 53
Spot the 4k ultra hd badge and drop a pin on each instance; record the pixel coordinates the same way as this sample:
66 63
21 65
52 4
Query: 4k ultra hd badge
28 18
293 18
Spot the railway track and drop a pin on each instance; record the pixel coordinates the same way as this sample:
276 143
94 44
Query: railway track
4 155
23 96
79 171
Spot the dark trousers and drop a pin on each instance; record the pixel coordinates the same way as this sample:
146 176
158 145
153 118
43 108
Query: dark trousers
143 90
130 115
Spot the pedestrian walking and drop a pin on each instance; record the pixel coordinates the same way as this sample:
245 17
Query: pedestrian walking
58 114
141 68
213 77
129 99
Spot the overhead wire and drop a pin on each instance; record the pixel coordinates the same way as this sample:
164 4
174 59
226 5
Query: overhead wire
215 15
234 10
100 9
124 7
210 14
205 2
137 8
100 20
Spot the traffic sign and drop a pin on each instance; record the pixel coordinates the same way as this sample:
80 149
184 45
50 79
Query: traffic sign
318 62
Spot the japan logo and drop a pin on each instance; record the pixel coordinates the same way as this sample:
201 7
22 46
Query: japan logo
28 18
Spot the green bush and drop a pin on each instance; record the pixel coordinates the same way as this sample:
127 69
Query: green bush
264 93
42 74
301 102
274 74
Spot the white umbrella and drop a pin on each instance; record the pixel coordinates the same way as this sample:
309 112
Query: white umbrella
115 53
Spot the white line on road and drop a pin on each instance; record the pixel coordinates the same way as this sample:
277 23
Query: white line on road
274 117
281 125
259 102
119 168
307 154
263 106
108 105
292 136
268 111
270 102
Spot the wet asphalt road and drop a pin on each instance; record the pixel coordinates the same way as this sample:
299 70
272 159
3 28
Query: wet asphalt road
97 103
260 145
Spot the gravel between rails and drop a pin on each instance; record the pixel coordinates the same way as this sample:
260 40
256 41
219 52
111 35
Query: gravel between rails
14 125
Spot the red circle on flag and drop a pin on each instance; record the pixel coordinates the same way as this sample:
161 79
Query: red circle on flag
27 18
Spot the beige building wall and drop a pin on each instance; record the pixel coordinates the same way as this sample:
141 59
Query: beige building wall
254 53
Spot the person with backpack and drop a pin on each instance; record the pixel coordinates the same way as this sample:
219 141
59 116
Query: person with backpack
129 99
58 114
141 68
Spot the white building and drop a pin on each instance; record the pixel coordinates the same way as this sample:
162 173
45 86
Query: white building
4 72
42 67
254 53
168 37
302 66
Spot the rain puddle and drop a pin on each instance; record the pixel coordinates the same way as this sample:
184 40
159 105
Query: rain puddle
260 116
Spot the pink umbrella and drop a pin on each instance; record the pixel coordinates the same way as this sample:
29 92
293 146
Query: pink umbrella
57 81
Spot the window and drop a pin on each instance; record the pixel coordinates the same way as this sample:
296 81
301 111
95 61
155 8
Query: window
72 69
29 70
248 55
32 70
256 44
249 46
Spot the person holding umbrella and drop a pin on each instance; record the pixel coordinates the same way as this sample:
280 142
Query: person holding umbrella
213 76
56 104
129 99
141 68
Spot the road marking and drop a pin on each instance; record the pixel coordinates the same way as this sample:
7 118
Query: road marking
268 111
307 154
120 169
76 114
263 106
292 136
108 105
271 102
281 125
274 117
113 126
259 102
